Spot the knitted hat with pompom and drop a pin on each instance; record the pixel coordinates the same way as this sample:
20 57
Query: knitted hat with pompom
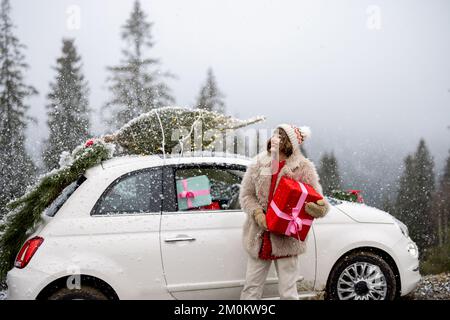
297 135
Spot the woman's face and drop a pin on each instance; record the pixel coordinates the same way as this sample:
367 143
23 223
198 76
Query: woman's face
280 142
275 141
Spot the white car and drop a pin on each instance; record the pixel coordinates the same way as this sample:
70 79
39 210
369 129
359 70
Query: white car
117 233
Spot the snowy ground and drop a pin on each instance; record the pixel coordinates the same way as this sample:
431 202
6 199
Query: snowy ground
432 287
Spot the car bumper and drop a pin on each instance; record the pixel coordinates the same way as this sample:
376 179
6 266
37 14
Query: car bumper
25 284
408 266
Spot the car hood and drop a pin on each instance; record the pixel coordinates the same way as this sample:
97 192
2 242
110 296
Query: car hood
363 213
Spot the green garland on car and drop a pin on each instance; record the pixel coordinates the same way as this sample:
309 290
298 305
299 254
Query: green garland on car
346 195
26 211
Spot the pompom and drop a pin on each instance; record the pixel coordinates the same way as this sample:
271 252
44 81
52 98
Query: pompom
305 132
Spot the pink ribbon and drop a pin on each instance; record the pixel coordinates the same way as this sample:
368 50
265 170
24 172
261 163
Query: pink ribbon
190 194
295 223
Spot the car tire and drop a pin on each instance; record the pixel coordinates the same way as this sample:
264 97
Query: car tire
361 276
84 293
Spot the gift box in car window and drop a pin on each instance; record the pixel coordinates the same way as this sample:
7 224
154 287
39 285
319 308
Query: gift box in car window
193 192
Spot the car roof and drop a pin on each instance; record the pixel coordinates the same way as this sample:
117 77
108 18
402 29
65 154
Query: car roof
135 162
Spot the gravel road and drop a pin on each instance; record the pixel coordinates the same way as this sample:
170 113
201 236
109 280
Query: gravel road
432 287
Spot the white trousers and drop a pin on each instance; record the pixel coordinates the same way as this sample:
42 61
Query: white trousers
256 275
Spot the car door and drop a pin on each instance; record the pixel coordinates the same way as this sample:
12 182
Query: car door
202 251
128 214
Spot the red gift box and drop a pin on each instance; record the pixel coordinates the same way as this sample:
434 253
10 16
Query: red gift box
286 213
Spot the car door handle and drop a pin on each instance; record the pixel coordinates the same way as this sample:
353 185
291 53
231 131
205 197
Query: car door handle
179 239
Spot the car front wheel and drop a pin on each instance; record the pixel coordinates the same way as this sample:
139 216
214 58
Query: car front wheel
361 276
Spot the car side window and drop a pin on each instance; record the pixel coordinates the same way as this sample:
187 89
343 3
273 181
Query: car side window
208 188
134 192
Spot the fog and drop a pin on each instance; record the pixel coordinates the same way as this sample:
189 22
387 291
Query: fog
369 77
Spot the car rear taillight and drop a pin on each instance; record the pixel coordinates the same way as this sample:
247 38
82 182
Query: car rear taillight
27 252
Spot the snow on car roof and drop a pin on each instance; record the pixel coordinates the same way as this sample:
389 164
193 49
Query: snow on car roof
127 160
194 157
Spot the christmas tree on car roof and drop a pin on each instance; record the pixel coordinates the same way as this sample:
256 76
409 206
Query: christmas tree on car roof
160 130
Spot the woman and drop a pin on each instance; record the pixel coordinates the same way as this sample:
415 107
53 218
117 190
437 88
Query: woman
282 158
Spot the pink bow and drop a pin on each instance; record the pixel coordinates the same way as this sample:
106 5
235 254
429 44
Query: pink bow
295 225
189 195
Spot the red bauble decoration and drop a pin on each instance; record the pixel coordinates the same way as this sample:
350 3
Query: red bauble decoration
89 143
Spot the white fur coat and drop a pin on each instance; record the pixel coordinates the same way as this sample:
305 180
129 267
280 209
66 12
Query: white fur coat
254 194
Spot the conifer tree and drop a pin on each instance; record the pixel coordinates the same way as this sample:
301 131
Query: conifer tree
441 206
403 209
136 84
68 110
413 204
329 173
210 97
387 204
16 167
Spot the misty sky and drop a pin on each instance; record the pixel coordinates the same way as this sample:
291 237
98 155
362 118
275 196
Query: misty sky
369 77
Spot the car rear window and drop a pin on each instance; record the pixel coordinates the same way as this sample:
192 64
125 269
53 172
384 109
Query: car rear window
62 198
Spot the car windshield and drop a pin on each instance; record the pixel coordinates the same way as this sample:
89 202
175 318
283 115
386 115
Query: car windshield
62 198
